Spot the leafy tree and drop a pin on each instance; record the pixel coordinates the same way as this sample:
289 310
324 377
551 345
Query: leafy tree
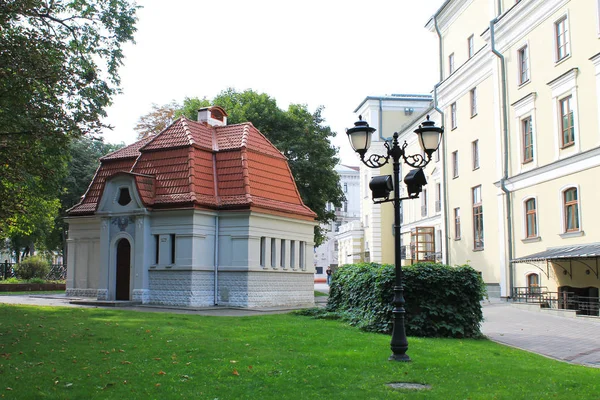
43 225
59 65
299 134
156 120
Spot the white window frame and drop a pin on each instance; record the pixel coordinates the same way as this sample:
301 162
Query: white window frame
525 108
475 153
453 116
537 236
520 79
455 164
563 228
451 65
561 87
473 96
566 18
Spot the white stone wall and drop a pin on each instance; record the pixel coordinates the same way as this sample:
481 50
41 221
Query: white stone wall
266 289
181 288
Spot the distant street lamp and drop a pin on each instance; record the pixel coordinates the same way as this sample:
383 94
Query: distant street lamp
381 186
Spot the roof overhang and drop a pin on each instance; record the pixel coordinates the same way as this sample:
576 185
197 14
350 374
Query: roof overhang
563 253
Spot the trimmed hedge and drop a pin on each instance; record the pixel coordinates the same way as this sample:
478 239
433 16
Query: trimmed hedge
441 301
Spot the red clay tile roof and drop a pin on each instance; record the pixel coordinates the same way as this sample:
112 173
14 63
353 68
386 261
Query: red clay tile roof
192 164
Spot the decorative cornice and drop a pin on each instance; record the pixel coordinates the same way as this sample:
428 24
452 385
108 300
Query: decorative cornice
521 19
566 166
469 75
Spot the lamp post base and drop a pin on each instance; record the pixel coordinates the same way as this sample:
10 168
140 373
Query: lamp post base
400 358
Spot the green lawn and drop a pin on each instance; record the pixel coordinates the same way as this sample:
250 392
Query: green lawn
80 353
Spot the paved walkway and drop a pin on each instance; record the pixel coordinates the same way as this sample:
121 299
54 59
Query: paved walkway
574 340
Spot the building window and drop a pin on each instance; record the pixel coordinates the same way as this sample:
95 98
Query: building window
263 249
561 38
438 197
477 219
523 65
157 253
457 223
302 249
292 254
567 125
533 282
124 196
345 206
453 115
424 203
455 164
527 134
451 63
530 218
282 258
345 188
473 102
475 151
571 210
172 249
470 46
273 253
366 220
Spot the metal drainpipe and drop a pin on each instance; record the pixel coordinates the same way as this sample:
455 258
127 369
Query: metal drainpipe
444 163
217 259
505 163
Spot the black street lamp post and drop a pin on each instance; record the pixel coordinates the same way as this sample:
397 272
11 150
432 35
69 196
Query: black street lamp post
429 138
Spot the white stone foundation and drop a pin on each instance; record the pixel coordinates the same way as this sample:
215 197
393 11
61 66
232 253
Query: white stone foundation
236 289
81 293
266 289
181 288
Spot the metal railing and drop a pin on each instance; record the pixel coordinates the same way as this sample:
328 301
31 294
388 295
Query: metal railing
564 300
57 272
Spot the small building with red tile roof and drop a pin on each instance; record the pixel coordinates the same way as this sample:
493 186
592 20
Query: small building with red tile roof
200 214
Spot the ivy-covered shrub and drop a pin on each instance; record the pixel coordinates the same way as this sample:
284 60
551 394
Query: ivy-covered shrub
441 301
32 267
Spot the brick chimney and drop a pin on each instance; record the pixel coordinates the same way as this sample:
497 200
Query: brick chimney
213 116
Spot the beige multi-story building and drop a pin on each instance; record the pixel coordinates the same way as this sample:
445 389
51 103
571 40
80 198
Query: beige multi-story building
519 90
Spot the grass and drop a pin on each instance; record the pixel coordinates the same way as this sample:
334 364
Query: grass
81 353
320 294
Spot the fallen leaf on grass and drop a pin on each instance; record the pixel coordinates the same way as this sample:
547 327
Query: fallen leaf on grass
9 388
125 362
235 372
161 373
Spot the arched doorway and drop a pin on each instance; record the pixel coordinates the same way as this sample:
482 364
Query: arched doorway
123 269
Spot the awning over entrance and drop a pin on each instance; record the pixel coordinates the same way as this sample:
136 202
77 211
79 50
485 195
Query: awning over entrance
566 252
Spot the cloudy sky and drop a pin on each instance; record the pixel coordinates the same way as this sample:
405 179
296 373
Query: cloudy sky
314 52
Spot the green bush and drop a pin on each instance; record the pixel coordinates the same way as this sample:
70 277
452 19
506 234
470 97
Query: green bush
441 301
32 267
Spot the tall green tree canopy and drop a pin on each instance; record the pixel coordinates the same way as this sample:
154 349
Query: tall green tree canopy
59 63
299 134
